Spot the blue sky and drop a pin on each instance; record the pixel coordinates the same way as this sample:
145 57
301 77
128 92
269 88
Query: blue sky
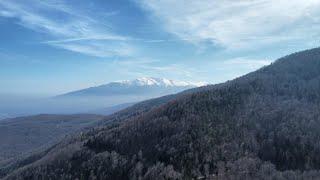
50 47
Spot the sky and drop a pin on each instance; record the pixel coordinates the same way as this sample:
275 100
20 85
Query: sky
50 47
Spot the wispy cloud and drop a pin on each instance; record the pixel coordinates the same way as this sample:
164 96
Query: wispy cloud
239 24
104 37
69 27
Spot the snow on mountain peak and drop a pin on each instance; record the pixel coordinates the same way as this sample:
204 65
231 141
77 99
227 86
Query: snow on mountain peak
144 85
150 81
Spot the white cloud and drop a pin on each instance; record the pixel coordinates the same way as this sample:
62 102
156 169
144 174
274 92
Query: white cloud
70 28
239 24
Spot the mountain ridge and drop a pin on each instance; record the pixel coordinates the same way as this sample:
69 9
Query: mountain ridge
144 85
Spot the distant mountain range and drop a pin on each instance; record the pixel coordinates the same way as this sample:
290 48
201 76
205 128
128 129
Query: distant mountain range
103 99
145 86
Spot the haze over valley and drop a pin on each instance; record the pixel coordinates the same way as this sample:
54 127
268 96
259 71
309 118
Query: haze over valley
103 99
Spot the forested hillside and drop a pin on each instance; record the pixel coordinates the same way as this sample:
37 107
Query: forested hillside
264 125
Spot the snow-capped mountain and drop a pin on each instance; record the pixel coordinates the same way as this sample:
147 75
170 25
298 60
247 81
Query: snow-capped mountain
145 86
149 81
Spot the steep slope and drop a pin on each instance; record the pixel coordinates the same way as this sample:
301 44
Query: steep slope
260 126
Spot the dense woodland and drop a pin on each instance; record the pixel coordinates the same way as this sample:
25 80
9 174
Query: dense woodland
264 125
